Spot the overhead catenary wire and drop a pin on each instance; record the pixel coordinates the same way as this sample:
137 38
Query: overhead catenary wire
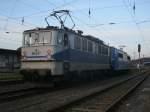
97 29
78 10
134 21
9 17
134 7
22 18
69 3
10 14
29 5
119 22
109 32
133 17
14 19
51 3
89 9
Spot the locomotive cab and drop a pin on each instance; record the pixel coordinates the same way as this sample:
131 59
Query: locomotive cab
39 49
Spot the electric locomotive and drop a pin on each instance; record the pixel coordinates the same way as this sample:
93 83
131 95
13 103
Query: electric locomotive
52 53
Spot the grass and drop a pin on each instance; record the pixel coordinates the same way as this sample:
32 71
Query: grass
10 76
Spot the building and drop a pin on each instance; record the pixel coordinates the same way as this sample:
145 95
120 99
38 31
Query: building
144 62
9 60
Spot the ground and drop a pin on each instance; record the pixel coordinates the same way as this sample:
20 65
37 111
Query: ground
138 100
9 76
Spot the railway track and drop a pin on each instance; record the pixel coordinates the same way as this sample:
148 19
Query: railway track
15 91
14 88
105 100
57 100
22 93
10 82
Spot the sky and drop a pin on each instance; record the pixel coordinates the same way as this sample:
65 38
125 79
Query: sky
113 21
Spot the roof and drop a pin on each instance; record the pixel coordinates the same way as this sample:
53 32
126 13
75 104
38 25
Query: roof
145 59
119 50
2 50
93 38
49 28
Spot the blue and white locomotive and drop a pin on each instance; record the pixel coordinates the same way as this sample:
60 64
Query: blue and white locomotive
53 52
119 60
